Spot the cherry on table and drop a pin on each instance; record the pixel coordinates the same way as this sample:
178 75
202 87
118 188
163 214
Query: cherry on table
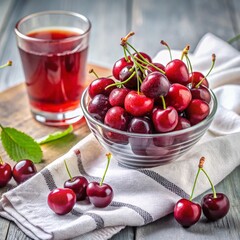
186 212
100 194
216 207
61 200
78 184
5 173
23 170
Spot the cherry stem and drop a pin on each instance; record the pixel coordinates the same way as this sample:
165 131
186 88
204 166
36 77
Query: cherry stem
159 69
163 102
232 40
125 54
109 156
125 39
211 68
166 45
189 63
212 186
66 166
9 63
200 166
185 51
92 71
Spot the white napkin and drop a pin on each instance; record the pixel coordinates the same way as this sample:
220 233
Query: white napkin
143 195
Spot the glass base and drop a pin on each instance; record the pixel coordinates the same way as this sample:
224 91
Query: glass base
58 119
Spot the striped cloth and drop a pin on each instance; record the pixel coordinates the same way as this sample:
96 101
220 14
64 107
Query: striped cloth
141 196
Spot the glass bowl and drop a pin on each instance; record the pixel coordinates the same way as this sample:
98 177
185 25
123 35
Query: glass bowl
134 150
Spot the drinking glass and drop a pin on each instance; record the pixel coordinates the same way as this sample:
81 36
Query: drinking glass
53 46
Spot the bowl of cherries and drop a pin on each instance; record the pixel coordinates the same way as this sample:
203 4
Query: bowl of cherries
148 114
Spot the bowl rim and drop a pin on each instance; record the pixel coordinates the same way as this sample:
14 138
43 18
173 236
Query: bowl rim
208 119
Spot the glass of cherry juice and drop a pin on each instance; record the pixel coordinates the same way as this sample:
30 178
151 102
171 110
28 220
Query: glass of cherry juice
53 46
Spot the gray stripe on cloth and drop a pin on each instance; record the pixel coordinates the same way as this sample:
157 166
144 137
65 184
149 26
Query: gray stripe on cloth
164 182
144 214
147 217
52 185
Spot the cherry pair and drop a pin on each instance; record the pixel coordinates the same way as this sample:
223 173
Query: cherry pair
22 171
62 200
214 205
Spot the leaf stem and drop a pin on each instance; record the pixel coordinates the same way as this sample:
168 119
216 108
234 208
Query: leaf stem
109 156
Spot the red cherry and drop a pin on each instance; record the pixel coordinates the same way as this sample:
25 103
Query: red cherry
78 184
126 73
98 86
155 85
178 97
99 196
151 68
215 208
61 200
5 173
182 123
202 93
187 212
142 55
165 120
196 77
117 96
119 65
23 170
197 110
137 104
177 72
99 106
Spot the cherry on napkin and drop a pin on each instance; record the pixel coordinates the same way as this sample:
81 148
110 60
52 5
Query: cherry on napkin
141 195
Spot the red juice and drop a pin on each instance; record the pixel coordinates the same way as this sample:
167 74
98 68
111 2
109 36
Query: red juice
54 67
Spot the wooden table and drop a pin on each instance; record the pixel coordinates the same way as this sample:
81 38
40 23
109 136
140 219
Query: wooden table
177 22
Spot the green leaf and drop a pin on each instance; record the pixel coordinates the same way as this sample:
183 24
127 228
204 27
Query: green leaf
19 145
56 135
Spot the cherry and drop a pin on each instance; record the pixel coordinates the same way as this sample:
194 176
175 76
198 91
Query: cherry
155 85
137 104
187 212
128 77
61 200
99 106
197 111
196 77
154 67
119 65
165 120
23 170
182 123
215 207
117 96
177 72
5 173
140 125
99 86
201 93
78 184
178 97
142 57
100 194
116 117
